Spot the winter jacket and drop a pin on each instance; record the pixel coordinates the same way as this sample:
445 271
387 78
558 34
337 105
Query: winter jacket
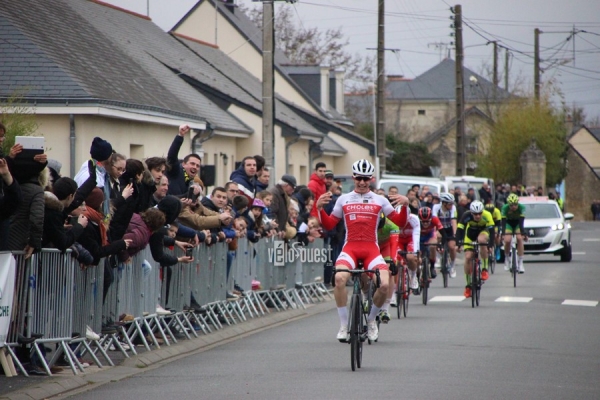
26 226
55 236
139 233
318 188
91 240
199 217
246 184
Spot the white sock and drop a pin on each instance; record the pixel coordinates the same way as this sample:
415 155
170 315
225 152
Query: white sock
451 264
373 314
386 305
343 314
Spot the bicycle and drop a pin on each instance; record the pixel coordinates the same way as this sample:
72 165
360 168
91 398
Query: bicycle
476 281
357 318
403 292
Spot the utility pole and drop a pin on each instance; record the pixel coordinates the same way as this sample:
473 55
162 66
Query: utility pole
380 111
461 156
506 59
495 76
536 64
268 87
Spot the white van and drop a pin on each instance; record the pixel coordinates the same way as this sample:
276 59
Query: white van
405 182
469 181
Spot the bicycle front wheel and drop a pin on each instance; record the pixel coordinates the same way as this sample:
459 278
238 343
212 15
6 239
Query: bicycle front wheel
445 266
473 282
405 293
515 267
425 280
355 321
492 262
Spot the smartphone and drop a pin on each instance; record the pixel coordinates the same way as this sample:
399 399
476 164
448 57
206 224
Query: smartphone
191 195
189 252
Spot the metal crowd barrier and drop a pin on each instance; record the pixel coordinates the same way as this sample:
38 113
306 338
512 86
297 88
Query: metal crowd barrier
55 297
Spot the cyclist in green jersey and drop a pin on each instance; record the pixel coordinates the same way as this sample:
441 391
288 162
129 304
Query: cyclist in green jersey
384 234
513 217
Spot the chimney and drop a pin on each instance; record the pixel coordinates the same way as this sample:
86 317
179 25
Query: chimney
230 4
338 90
324 69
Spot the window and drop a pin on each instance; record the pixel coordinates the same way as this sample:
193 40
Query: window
421 112
471 145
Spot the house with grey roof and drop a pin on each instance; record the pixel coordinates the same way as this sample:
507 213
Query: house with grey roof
93 69
219 24
582 183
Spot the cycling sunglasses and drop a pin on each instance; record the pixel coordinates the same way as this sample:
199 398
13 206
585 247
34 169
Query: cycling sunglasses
363 178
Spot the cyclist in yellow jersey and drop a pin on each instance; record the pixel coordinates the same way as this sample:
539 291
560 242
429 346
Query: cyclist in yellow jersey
497 216
477 224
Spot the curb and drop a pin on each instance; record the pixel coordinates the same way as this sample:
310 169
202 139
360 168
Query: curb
65 386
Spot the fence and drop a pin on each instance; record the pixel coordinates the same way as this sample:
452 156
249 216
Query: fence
56 301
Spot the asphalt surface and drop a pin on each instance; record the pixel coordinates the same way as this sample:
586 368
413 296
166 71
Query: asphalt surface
537 341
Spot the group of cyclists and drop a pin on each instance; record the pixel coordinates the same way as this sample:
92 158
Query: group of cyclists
371 220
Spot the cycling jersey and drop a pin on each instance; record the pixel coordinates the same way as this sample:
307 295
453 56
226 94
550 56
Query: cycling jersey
427 232
384 233
361 214
514 219
469 228
444 215
409 237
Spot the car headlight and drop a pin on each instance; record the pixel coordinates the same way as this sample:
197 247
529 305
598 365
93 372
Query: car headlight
558 227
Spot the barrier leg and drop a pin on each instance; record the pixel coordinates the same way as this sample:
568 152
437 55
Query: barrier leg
15 359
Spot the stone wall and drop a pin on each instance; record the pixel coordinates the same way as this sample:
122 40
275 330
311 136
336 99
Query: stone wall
582 187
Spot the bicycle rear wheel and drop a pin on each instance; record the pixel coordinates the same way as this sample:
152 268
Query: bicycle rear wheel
425 279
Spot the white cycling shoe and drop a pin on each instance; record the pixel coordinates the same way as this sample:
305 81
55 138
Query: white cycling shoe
342 335
372 331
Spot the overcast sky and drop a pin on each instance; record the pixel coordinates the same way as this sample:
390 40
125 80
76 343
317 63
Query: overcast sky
421 30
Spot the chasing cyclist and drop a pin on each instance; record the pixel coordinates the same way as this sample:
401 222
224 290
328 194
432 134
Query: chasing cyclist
475 225
409 240
513 218
446 212
388 247
360 210
430 225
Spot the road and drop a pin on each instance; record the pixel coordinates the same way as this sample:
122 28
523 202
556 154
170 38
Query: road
531 346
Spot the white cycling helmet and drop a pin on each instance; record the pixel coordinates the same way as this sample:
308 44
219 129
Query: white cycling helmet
447 198
476 207
363 168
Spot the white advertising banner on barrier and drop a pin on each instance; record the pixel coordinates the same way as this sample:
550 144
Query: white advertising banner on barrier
7 290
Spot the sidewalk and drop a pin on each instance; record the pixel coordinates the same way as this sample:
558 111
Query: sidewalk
67 384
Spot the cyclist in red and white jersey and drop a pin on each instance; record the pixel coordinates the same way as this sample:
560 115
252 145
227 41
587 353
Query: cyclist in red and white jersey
409 240
360 210
430 225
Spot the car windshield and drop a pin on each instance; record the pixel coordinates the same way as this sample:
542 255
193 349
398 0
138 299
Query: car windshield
541 211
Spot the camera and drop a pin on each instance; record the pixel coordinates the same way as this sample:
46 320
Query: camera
189 252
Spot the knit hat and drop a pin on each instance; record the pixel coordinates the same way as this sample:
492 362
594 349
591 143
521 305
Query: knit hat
329 173
101 149
55 165
289 179
95 199
258 203
171 206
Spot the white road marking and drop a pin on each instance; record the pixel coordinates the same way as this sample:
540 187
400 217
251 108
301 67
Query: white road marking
579 253
447 298
592 240
585 303
509 299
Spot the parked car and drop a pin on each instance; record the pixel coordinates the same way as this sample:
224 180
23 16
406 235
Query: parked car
469 181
